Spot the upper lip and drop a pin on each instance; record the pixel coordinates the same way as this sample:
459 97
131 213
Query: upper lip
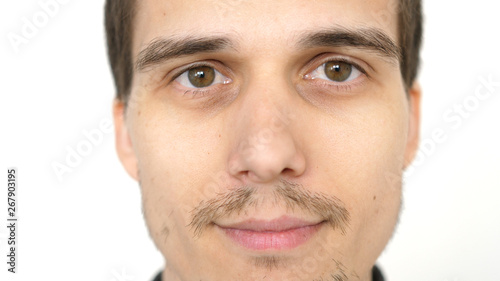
277 225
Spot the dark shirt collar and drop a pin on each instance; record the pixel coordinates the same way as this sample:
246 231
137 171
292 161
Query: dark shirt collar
376 275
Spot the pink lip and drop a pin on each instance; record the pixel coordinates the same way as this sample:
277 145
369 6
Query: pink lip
280 234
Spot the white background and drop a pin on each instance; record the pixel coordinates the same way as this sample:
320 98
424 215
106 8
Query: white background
89 226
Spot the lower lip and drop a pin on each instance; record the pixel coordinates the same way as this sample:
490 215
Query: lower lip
266 240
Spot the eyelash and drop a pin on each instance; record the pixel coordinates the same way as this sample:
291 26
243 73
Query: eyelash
342 60
194 91
337 86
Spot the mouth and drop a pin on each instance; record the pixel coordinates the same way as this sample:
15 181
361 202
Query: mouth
280 234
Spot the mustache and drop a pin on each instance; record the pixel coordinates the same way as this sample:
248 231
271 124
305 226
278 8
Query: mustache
292 195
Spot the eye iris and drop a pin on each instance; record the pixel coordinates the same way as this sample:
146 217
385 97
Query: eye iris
338 71
202 76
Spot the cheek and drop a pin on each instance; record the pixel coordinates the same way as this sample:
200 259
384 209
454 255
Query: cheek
363 144
364 163
362 153
177 165
378 153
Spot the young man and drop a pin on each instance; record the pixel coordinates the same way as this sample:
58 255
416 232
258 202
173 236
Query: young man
268 137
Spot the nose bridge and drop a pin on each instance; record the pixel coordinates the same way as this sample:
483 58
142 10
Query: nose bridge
265 139
264 109
267 96
265 125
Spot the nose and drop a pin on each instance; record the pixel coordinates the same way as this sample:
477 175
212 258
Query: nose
266 143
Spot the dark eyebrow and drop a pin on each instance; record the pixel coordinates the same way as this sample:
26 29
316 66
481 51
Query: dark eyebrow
367 38
162 49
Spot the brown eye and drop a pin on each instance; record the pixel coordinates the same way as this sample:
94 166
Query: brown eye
338 71
201 76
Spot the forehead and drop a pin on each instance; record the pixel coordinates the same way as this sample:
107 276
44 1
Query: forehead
258 22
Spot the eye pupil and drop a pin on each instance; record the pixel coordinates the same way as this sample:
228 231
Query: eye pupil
338 71
201 76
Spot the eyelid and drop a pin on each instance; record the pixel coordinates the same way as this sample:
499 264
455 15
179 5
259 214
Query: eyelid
321 68
347 87
184 80
171 79
212 64
324 58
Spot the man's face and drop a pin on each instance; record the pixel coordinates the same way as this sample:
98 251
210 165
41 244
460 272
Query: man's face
268 137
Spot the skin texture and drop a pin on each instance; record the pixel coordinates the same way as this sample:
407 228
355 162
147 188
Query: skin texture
268 127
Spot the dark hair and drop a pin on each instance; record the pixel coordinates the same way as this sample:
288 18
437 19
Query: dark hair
410 39
119 17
